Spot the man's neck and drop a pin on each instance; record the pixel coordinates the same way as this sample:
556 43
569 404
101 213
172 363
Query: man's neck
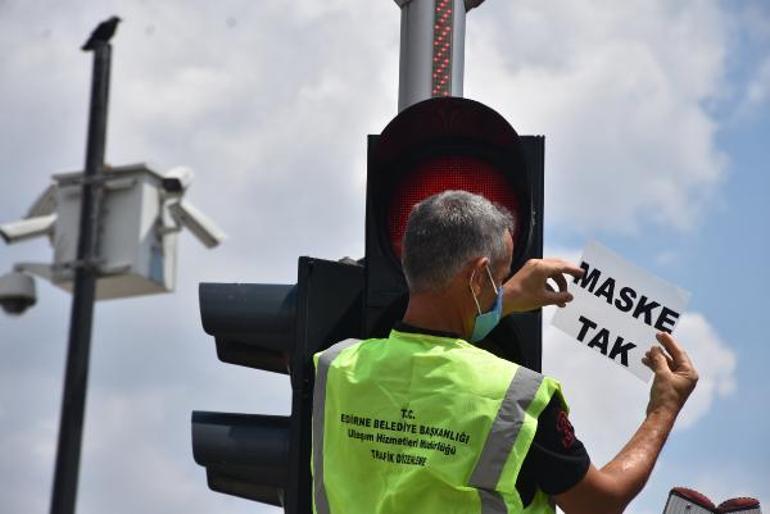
431 312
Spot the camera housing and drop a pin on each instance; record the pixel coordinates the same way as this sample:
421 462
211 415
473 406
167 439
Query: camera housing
17 292
177 180
204 230
28 228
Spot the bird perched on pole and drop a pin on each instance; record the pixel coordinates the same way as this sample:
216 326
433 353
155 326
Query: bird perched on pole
102 34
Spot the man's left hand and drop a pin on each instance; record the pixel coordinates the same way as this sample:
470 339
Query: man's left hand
529 289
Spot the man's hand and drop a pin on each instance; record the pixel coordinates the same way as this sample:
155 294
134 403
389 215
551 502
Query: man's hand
675 375
529 288
610 489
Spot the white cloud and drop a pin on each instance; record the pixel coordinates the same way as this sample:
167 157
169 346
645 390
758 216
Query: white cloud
715 360
757 93
758 90
608 403
619 91
561 252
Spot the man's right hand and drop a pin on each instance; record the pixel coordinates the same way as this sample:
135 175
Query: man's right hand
610 489
675 375
529 289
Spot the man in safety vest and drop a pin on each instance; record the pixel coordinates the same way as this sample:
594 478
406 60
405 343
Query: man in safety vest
425 422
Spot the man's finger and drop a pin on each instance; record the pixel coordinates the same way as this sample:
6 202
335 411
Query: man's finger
657 361
560 298
669 360
562 266
560 281
552 297
673 348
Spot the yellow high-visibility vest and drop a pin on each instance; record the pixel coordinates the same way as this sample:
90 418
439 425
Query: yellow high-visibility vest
424 424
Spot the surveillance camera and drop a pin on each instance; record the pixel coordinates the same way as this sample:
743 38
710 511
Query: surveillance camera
17 292
178 179
27 228
196 222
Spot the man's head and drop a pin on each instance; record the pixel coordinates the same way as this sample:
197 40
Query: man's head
450 242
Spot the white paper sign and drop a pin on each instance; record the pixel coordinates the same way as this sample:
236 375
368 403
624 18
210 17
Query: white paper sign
618 309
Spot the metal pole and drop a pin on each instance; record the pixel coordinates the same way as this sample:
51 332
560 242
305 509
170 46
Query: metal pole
432 57
76 374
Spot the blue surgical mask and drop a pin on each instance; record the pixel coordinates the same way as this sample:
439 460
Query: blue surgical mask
486 321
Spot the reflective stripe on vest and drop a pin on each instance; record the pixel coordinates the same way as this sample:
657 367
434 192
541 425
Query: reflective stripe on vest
492 502
319 406
502 437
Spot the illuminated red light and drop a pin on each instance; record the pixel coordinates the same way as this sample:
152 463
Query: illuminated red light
442 173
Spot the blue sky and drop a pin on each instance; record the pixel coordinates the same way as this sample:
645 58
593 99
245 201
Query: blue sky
656 118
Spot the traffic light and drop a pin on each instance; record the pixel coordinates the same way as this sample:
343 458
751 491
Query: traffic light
451 143
274 327
432 146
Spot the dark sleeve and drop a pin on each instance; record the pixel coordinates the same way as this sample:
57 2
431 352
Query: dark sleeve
557 460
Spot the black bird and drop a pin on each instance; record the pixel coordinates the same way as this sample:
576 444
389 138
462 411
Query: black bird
102 34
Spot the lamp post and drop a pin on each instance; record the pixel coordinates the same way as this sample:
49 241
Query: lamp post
81 317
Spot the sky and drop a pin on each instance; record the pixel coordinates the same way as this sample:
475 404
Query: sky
656 116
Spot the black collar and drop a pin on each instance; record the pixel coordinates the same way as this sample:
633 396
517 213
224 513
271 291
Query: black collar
411 329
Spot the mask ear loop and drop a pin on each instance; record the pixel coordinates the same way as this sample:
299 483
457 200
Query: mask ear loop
478 307
494 286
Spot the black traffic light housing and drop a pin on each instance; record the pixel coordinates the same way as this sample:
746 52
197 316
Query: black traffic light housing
451 143
245 455
273 327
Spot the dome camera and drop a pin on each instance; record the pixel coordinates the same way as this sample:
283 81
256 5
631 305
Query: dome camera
17 292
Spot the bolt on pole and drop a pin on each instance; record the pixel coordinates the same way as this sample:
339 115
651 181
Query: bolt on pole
76 374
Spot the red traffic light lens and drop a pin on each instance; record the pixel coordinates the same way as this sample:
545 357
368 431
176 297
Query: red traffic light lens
442 173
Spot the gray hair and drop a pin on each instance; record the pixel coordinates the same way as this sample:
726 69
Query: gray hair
447 230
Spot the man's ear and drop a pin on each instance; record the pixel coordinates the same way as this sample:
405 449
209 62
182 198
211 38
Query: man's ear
476 273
